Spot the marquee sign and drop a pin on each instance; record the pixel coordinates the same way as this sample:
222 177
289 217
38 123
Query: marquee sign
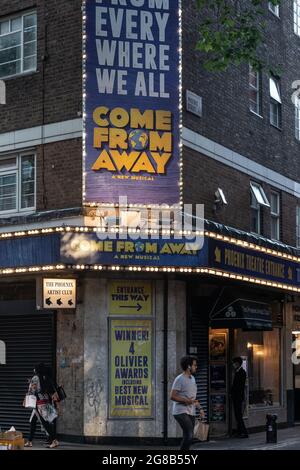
240 260
132 98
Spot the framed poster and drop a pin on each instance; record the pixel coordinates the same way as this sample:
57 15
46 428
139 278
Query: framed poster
217 378
218 408
131 366
217 347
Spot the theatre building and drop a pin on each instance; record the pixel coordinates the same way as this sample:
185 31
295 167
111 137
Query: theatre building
112 134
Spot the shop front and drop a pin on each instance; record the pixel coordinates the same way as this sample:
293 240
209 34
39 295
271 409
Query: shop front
140 306
294 333
245 322
27 337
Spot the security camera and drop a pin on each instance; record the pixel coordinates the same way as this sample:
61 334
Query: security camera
220 197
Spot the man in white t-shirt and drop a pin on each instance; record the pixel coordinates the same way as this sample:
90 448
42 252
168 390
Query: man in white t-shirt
183 394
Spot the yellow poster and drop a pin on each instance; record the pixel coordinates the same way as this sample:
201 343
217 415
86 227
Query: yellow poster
131 368
130 298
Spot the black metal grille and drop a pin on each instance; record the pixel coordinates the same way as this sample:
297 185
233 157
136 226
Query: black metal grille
199 339
29 340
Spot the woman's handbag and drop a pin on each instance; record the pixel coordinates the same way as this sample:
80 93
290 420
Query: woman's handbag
30 401
47 411
201 430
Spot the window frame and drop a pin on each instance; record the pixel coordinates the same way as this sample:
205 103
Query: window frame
298 226
297 119
275 100
275 9
264 200
255 208
257 90
296 11
22 71
275 215
257 201
17 170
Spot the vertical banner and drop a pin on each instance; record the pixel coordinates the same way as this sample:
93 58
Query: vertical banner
132 101
130 368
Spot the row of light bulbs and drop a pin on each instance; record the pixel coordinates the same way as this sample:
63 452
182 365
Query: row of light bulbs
209 234
150 269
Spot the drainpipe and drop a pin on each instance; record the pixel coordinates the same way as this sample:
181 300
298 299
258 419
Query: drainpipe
165 358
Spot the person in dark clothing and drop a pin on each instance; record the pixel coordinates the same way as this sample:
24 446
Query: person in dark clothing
41 385
238 395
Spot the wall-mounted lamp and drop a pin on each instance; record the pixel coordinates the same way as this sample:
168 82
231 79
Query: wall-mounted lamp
259 353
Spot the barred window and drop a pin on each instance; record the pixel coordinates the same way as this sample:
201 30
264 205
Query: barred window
18 45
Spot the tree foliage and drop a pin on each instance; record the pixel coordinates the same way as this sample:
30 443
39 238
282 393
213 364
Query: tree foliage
231 32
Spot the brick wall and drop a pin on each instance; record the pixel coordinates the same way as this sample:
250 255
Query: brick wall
59 175
57 81
226 115
53 94
202 177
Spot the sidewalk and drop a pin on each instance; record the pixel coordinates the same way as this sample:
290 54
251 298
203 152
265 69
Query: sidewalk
287 439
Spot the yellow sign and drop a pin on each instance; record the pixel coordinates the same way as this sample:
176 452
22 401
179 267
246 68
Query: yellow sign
131 368
139 141
130 298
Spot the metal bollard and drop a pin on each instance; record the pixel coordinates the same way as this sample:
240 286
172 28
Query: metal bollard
271 429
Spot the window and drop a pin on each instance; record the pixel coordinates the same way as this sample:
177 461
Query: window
255 215
18 44
17 183
274 9
255 90
297 118
258 199
2 353
275 216
275 103
298 226
297 17
259 194
262 352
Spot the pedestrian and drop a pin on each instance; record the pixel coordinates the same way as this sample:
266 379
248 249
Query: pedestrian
183 394
41 385
238 395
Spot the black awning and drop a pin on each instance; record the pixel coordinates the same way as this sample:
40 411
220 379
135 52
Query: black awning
244 314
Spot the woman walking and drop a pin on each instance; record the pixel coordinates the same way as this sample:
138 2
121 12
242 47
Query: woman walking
41 386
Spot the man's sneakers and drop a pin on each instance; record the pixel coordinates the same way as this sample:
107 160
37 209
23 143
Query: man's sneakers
53 444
